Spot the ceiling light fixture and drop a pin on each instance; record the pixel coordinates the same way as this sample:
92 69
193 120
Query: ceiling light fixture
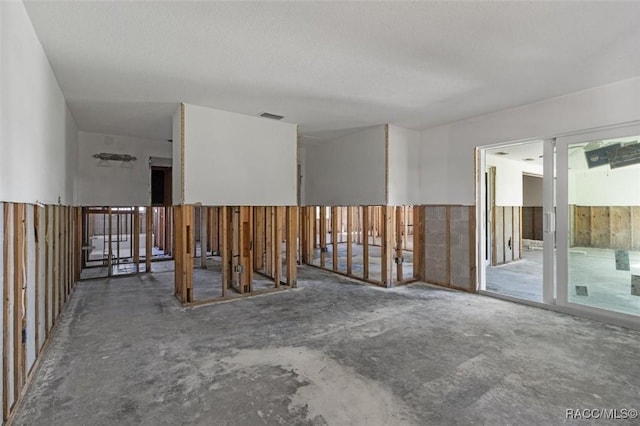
528 159
502 153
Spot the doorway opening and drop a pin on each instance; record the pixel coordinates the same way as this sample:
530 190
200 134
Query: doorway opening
513 239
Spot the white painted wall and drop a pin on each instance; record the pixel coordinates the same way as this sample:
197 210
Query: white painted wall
176 149
346 171
404 166
532 191
117 184
236 159
37 132
509 179
447 154
602 186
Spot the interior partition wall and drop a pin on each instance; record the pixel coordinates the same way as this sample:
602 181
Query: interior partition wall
227 252
376 244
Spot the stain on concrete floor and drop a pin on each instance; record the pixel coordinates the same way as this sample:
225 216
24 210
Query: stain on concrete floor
332 352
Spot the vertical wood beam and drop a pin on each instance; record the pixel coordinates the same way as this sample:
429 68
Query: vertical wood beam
184 252
334 237
398 234
203 236
38 235
349 240
365 242
418 242
387 245
323 236
277 245
19 297
292 230
259 217
269 252
223 217
148 247
7 232
136 238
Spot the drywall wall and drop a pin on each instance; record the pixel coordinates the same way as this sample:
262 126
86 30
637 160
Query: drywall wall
605 187
509 179
404 166
346 171
236 159
447 163
177 196
37 132
115 183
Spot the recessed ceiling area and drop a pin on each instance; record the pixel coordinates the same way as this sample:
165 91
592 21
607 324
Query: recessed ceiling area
530 152
125 66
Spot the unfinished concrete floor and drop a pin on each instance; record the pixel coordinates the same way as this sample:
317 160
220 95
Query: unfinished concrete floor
330 352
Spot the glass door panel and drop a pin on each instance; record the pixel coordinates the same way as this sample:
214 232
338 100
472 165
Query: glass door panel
603 252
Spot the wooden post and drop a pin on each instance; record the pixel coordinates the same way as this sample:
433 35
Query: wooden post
292 230
184 252
109 250
398 229
7 232
149 239
203 237
223 217
246 249
387 245
334 237
277 245
349 240
365 242
418 242
19 297
136 238
259 215
323 236
269 252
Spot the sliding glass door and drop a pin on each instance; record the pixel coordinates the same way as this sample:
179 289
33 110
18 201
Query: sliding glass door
599 222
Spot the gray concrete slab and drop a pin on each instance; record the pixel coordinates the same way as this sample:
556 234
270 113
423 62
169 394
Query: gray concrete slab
330 352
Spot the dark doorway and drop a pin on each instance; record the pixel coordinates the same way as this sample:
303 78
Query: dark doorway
160 186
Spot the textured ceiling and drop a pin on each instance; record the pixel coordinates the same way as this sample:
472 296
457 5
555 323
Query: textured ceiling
124 66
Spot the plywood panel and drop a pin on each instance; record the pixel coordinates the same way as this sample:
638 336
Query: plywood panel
635 227
582 228
620 223
600 228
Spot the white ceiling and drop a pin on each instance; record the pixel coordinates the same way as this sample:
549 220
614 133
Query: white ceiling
124 66
520 152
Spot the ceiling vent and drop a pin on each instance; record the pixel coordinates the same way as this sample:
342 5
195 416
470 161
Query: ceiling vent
271 116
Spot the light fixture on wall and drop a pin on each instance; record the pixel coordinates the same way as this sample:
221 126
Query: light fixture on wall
106 157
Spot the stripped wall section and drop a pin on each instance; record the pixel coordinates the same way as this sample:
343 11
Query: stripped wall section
609 227
39 254
450 240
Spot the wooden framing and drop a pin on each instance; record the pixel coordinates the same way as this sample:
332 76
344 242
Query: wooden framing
323 236
387 246
349 240
292 236
399 229
183 217
148 252
365 242
7 305
44 244
136 238
334 238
